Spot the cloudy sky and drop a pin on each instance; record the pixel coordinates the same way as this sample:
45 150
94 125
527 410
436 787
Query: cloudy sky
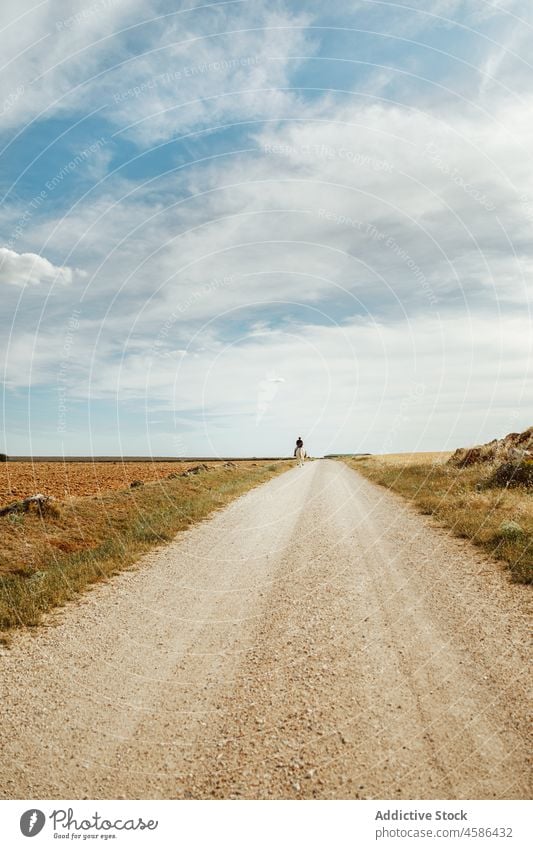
224 225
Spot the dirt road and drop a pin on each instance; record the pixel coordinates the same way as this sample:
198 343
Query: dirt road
317 638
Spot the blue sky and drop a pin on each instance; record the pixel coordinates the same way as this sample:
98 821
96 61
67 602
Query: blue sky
224 225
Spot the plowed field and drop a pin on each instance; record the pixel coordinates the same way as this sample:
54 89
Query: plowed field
65 480
316 639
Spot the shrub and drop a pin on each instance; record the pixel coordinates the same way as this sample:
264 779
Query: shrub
511 530
513 474
15 519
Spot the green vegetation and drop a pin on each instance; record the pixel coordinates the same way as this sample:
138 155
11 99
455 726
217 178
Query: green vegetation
47 557
513 474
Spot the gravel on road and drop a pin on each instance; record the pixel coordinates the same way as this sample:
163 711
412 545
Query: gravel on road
317 638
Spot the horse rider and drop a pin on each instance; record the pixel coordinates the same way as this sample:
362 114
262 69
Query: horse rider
299 444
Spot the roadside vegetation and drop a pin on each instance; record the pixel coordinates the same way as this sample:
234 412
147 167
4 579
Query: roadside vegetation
498 516
53 551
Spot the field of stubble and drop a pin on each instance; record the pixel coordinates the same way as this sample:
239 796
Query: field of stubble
70 479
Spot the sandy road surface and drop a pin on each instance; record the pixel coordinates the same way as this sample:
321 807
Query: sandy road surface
317 638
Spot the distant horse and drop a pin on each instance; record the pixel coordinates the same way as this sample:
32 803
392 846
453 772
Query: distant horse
300 455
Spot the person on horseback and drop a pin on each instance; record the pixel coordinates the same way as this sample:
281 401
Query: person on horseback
299 451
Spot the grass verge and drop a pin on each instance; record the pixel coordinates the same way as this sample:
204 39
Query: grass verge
498 520
45 560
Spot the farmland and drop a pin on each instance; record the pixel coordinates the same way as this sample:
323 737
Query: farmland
99 524
65 479
316 639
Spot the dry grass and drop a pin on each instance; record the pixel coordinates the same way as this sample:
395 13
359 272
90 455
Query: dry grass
46 559
498 520
415 457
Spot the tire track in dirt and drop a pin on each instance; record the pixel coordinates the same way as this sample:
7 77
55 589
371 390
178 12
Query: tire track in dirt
316 639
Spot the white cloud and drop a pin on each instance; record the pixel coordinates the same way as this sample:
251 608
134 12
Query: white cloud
422 384
157 70
211 69
28 269
359 248
51 50
348 211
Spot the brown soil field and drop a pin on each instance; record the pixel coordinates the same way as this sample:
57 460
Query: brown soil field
316 639
65 480
47 556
